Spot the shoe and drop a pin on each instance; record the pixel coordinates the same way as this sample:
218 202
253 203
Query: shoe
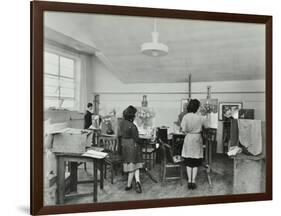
128 188
189 185
194 186
138 187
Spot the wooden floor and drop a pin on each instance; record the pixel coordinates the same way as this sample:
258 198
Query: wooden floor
222 177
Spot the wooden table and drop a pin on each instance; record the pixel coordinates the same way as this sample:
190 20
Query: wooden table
248 174
74 159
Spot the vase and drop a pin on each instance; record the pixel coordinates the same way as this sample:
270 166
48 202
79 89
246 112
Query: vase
144 102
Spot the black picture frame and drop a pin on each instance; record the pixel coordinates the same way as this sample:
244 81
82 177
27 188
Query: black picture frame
223 106
36 14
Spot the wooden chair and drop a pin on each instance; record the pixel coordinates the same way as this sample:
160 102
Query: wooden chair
149 153
111 146
169 162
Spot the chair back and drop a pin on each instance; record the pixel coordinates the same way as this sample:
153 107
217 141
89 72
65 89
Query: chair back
109 143
166 152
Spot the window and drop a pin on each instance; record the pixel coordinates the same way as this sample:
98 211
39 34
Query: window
59 81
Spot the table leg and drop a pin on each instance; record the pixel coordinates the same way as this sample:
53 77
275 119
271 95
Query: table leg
95 195
101 174
73 176
60 180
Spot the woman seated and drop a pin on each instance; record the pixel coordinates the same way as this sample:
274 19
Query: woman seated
131 149
192 151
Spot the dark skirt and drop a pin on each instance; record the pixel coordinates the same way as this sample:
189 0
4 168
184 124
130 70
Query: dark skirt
192 162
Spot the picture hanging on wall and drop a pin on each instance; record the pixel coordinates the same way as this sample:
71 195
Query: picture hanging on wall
229 110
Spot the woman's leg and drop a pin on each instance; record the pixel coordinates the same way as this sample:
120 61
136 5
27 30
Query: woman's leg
189 173
137 175
130 178
194 174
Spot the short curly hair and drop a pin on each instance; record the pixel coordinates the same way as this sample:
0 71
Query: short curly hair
193 106
129 113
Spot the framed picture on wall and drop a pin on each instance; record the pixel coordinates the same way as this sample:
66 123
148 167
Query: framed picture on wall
228 110
82 53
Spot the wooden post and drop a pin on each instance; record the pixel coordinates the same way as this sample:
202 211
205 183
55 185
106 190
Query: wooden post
189 87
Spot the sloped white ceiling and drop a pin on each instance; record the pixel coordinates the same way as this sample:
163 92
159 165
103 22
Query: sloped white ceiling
210 51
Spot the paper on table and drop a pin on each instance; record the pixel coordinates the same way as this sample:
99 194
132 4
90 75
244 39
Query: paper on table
94 154
74 131
70 131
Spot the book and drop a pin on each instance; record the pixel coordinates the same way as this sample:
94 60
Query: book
95 154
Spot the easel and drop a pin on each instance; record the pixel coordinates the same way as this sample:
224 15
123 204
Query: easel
209 137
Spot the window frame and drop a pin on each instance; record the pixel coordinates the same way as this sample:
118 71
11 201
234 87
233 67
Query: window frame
65 53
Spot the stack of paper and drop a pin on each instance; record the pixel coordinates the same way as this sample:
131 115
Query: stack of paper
95 154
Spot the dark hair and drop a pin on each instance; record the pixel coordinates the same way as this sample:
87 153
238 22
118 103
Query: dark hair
193 106
89 105
129 113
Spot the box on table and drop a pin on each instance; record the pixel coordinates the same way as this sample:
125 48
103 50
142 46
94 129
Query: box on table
72 141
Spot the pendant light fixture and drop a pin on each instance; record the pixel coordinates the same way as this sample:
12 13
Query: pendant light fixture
154 48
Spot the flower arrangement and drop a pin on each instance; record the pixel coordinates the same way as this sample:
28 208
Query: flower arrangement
144 116
145 113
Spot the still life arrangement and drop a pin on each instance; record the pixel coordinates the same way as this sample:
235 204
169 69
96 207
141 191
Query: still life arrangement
144 117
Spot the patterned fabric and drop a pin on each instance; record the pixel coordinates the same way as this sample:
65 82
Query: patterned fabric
130 167
193 144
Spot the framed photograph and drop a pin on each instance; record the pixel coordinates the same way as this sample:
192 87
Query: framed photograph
90 67
228 110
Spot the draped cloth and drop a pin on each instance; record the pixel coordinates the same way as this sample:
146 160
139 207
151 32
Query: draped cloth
250 135
234 137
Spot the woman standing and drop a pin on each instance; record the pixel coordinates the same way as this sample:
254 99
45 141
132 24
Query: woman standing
192 150
131 149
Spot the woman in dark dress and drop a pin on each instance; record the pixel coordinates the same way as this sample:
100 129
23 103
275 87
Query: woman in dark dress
131 149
